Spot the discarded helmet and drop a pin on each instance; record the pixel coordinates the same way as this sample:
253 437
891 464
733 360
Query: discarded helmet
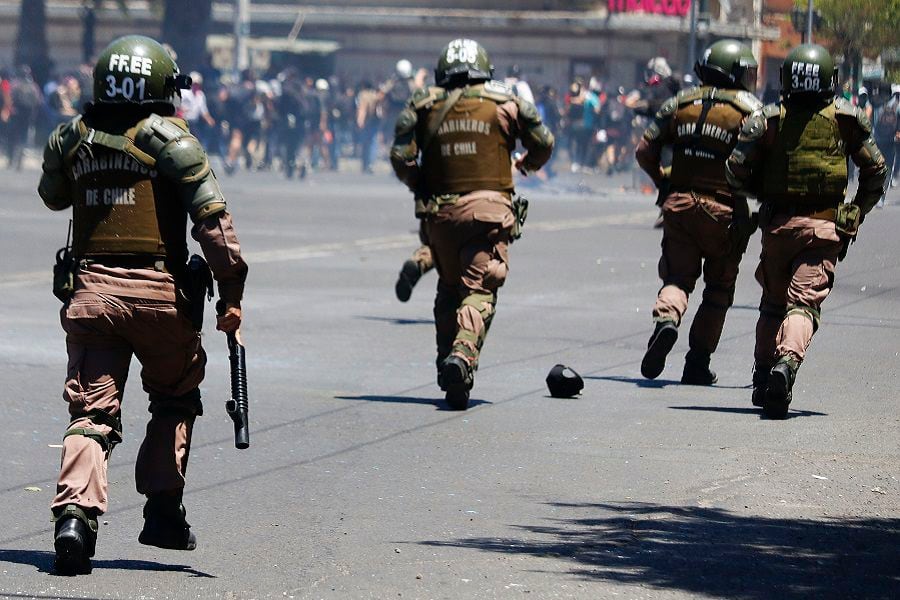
564 382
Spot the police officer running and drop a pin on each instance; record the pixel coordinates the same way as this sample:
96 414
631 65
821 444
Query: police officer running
132 174
705 225
793 156
452 148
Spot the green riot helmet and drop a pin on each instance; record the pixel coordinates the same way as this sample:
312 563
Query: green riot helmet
462 62
728 64
808 71
135 69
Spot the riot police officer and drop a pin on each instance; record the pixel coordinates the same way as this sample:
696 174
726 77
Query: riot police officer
705 225
793 156
133 174
452 148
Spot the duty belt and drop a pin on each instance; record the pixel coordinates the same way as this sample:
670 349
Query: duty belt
128 261
813 212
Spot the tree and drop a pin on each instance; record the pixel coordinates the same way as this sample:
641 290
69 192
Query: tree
857 28
31 41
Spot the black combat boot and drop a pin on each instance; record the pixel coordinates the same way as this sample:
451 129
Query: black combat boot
456 379
696 369
658 348
778 390
75 540
409 277
760 383
165 525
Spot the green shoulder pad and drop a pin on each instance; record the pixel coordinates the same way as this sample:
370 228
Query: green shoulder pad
742 100
843 108
406 122
691 95
424 97
771 110
497 91
668 108
180 158
755 125
527 112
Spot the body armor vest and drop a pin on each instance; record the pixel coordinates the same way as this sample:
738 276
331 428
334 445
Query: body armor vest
121 207
707 123
807 163
469 151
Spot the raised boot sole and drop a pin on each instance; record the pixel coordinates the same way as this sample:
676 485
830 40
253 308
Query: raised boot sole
655 358
409 277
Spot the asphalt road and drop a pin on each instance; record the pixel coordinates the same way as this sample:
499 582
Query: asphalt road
360 484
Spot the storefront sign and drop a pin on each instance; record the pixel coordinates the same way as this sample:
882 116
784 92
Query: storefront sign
674 8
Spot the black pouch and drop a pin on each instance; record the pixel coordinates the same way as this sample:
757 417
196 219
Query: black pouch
64 274
64 270
197 289
520 212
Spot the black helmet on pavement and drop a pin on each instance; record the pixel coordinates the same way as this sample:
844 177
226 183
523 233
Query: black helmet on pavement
564 382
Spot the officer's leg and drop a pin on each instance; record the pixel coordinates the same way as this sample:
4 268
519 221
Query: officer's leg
97 370
679 268
812 277
173 362
719 277
774 275
420 263
446 303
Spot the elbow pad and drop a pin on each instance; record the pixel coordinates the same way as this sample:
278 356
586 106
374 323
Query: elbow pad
179 157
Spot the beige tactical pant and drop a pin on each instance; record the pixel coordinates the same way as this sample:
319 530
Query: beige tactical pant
696 240
103 331
796 272
470 244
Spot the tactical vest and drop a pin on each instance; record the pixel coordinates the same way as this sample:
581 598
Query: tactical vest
469 151
807 163
120 206
707 122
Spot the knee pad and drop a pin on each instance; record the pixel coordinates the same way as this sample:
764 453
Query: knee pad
187 405
807 311
482 303
107 441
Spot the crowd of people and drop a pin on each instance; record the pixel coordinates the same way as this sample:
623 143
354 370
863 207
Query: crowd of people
293 123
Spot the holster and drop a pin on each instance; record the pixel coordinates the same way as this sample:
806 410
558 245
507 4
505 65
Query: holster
743 224
520 212
766 213
195 289
64 274
662 192
846 219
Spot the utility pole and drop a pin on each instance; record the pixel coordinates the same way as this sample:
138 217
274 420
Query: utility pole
241 32
692 43
809 22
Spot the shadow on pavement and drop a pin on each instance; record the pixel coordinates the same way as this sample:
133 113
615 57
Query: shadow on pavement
43 560
661 383
748 410
394 321
714 552
438 404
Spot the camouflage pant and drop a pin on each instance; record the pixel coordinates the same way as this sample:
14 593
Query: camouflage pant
796 272
470 242
696 239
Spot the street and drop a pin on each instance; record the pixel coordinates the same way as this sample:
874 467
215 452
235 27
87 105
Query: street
359 483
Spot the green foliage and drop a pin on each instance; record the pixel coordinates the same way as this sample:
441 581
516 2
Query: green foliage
856 28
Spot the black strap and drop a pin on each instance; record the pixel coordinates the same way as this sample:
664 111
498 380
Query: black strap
452 99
